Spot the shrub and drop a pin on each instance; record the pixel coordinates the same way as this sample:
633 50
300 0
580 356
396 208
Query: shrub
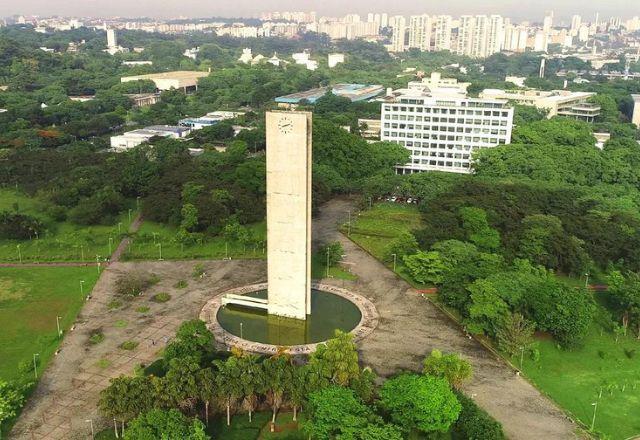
96 338
198 271
142 309
474 423
134 284
128 345
16 226
630 353
181 284
161 297
114 304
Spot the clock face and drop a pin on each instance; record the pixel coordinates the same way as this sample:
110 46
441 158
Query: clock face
285 125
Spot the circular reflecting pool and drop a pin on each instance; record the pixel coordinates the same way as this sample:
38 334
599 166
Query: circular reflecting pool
328 313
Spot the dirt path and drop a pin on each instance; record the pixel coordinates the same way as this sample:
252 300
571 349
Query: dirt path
410 327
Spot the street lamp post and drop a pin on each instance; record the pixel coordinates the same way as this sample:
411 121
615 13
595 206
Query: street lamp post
82 288
395 258
593 420
119 228
98 263
90 421
521 356
35 365
19 253
241 333
586 280
110 244
160 250
58 325
328 249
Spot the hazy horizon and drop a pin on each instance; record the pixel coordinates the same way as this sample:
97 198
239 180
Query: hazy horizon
563 9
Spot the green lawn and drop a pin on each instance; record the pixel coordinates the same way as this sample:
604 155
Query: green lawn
602 371
61 241
30 300
258 429
153 236
374 229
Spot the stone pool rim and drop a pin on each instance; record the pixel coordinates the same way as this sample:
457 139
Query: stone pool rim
209 314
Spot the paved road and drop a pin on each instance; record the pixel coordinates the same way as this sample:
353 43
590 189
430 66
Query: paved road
410 327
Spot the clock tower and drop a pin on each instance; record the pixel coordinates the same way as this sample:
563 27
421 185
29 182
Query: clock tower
289 213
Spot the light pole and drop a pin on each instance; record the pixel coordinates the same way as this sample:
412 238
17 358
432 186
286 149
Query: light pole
58 325
35 365
395 258
370 202
129 215
98 263
119 228
586 280
226 250
328 249
349 224
82 288
138 203
521 356
593 420
19 253
82 253
110 244
241 334
90 421
160 250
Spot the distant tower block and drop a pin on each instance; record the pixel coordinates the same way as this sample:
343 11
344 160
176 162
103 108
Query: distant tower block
289 213
112 39
635 119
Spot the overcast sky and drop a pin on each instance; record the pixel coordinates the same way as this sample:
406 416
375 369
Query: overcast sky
517 9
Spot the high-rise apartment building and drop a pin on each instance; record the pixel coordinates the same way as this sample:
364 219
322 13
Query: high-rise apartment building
443 132
384 20
442 32
576 23
420 32
480 35
495 38
465 35
112 38
399 24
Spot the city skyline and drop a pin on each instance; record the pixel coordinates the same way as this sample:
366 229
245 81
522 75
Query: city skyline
199 8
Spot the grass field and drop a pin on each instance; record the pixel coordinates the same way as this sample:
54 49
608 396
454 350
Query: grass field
62 241
602 371
153 236
30 300
573 378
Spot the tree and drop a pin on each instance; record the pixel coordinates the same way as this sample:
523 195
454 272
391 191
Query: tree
426 267
253 380
404 244
626 293
334 410
193 338
165 424
127 397
486 309
425 403
516 334
181 384
278 372
333 252
448 366
296 389
337 359
474 423
228 383
372 431
11 400
474 222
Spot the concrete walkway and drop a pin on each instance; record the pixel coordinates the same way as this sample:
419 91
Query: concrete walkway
410 327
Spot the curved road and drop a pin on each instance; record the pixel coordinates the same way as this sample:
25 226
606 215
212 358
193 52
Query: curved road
410 327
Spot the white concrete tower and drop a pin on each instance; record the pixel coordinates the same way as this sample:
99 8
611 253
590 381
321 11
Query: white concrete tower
289 146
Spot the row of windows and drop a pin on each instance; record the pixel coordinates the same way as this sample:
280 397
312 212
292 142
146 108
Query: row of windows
444 129
470 104
441 163
459 121
442 137
442 154
447 111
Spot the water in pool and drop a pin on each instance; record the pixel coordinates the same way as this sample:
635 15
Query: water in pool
328 313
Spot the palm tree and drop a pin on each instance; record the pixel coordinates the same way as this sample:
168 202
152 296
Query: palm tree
296 389
252 380
228 383
277 370
206 381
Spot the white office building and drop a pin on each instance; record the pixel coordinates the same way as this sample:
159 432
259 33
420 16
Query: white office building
442 132
635 119
132 139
